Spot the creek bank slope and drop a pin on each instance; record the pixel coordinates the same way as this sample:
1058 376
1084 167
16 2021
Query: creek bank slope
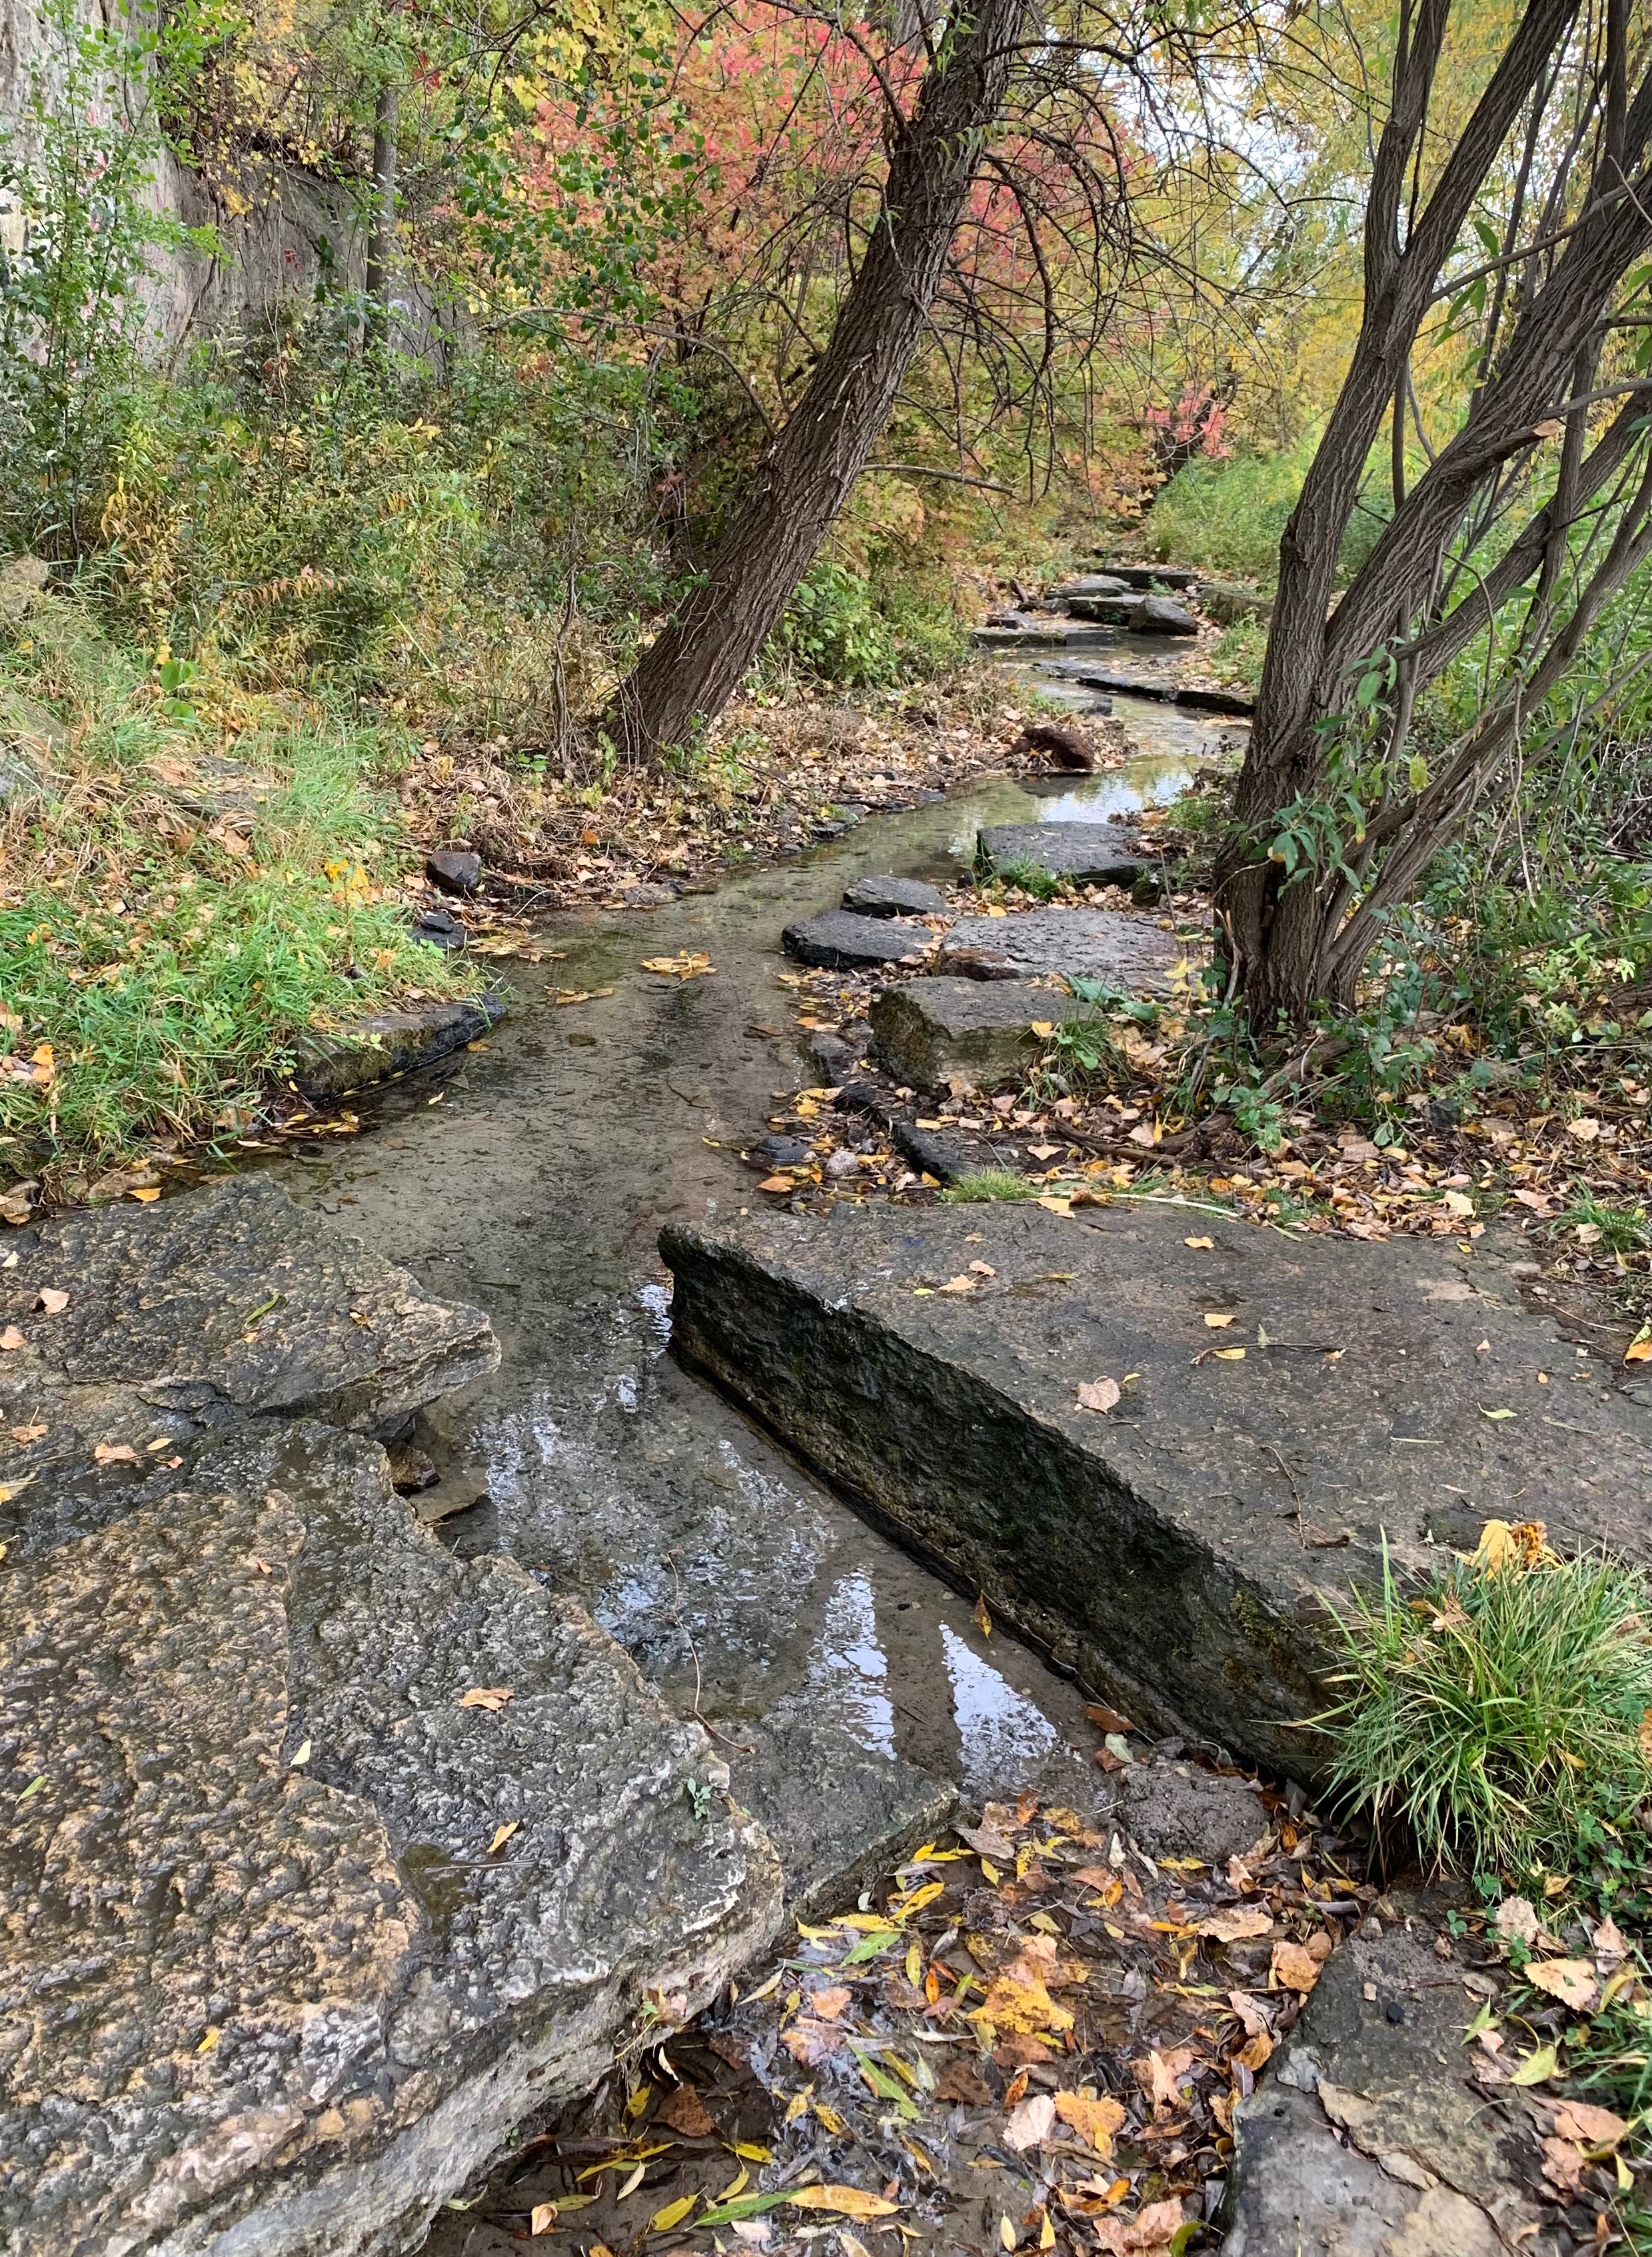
1181 1550
293 1935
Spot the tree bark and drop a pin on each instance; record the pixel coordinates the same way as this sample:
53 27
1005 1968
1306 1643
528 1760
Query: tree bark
381 239
700 658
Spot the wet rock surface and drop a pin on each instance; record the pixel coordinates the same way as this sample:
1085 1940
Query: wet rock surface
840 941
1090 853
455 869
1130 953
1370 2135
1178 1552
1176 1810
932 1033
295 1933
894 897
384 1044
184 1318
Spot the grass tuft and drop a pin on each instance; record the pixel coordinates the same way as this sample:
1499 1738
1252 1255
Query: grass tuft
1498 1714
989 1184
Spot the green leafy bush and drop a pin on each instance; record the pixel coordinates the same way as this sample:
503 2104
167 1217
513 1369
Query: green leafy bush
1497 1713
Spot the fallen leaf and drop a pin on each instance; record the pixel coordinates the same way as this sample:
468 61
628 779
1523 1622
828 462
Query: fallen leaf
1216 1322
1250 2012
1161 2075
30 1434
685 2113
962 2087
777 1184
1589 2126
960 1284
1586 1131
1106 1719
848 2201
986 1843
672 2214
501 1835
1098 1394
302 1756
1571 1981
1233 1925
115 1453
1204 1245
145 1194
1093 2120
1562 2165
811 2043
1229 1355
1030 2124
1150 2234
486 1696
1539 2065
1516 1919
52 1299
1292 1968
830 2004
1499 1413
1608 1940
1639 1348
541 2217
11 1338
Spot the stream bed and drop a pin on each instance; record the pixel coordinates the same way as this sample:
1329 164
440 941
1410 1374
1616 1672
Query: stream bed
852 1690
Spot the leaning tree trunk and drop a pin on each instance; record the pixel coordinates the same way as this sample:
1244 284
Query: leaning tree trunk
700 658
1299 924
381 237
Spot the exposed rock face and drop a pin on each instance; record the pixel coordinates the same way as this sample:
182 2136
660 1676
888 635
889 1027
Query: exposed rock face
1131 953
1148 576
1225 601
1180 1551
1158 615
894 897
1087 584
840 941
1120 610
268 1985
1424 2165
932 1033
388 1043
185 1318
1090 853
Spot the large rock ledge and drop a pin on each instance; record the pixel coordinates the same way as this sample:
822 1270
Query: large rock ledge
289 1938
1179 1551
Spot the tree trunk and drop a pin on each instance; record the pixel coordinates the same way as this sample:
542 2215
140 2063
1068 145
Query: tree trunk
381 240
700 658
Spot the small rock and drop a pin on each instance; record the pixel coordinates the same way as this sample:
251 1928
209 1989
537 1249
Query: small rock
1062 743
842 1163
932 1155
411 1469
1158 615
441 929
840 941
781 1152
894 897
454 869
1174 1809
832 1059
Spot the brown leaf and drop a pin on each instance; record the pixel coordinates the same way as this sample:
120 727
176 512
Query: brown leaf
1159 2076
1093 2120
115 1453
501 1835
1098 1394
1293 1969
812 2042
962 2087
1590 2126
1250 2011
777 1184
1571 1981
52 1299
685 2112
1562 2165
847 2201
11 1338
1236 1923
1149 2234
1106 1719
486 1696
830 2003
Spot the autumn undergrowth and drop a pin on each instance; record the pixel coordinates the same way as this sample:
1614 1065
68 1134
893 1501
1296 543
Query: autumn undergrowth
1496 1714
989 1184
185 894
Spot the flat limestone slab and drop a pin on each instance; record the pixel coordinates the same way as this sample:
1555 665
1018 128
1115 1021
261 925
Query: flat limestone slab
195 1315
840 941
1092 854
1132 954
290 1937
892 897
1179 1551
389 1042
930 1033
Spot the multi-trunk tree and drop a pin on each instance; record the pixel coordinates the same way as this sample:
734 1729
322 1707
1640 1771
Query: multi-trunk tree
1524 233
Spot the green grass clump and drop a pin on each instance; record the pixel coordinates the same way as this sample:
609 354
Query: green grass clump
1497 1714
183 897
1030 878
989 1184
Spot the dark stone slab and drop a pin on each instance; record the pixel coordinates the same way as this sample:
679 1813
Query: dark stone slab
385 1044
894 897
1091 853
1180 1551
1226 601
1050 638
454 869
225 1305
1148 576
1369 2134
840 941
1132 954
1123 609
1087 584
268 1984
931 1034
1158 615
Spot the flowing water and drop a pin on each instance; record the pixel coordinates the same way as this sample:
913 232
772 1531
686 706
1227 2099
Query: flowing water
532 1178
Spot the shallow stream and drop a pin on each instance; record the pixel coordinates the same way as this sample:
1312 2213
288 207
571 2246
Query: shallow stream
532 1178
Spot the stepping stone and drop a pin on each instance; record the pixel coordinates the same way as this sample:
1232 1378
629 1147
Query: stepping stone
191 1316
1158 615
894 897
1225 601
931 1033
1148 576
1132 954
295 1937
1091 853
1181 1552
1087 584
384 1044
1051 637
840 941
1123 609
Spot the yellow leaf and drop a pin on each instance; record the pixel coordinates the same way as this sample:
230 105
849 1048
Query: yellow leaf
1204 1245
501 1835
485 1696
1571 1981
1537 2066
847 2201
777 1184
737 2184
752 2151
914 1965
1093 2120
1215 1322
146 1195
1230 1354
1006 2232
1043 1028
672 2214
1639 1351
210 2040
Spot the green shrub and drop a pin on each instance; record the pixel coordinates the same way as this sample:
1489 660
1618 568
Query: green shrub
1496 1714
